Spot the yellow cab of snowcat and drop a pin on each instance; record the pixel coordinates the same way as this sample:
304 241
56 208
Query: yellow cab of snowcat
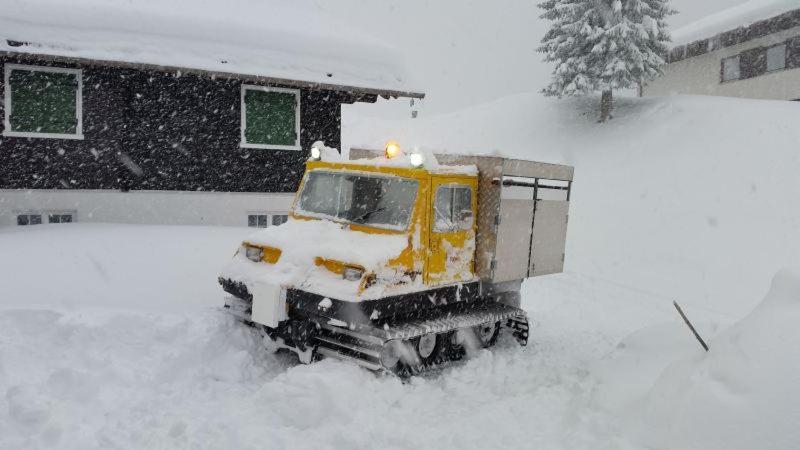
441 237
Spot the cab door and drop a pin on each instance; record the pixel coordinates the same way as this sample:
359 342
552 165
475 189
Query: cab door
451 242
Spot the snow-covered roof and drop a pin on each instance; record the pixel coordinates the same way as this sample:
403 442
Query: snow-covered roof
279 40
728 19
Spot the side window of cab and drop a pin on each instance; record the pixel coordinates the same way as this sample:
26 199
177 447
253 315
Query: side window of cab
453 208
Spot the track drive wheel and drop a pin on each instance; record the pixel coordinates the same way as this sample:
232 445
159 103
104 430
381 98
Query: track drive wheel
487 333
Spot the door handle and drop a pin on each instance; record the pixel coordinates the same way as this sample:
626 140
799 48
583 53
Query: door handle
435 244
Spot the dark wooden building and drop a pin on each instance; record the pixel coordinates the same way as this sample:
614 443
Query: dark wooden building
101 140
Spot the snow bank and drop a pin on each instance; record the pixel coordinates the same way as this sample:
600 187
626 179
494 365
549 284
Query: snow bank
130 267
743 393
285 40
81 368
675 196
731 18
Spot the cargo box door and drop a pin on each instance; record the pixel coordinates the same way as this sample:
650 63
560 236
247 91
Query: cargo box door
512 252
549 237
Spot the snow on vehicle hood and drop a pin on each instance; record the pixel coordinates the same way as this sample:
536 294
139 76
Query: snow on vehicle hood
301 242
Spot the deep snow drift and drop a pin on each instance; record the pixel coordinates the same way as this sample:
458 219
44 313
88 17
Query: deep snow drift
684 197
743 393
79 369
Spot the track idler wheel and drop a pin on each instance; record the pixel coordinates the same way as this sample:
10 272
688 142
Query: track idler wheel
487 333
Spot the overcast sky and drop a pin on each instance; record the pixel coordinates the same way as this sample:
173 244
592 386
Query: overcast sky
465 52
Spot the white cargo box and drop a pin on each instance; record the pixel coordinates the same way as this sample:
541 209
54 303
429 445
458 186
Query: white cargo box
523 210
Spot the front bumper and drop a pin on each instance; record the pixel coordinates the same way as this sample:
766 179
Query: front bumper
262 303
407 305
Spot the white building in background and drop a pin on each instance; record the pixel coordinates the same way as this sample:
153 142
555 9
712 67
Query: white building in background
748 51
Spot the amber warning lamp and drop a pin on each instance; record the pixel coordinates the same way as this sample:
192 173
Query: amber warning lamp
392 149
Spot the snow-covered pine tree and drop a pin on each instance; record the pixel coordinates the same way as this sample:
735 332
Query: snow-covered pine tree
602 45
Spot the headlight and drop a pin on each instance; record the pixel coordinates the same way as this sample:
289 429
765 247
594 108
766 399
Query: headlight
352 274
254 254
416 159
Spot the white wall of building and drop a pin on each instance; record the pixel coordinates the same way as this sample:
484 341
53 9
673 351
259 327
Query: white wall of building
142 207
700 75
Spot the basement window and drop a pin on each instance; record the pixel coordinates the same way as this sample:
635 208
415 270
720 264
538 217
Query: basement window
59 218
29 219
279 219
257 220
776 58
43 102
731 68
270 118
262 220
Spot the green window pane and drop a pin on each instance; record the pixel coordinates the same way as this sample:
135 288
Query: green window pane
43 102
270 117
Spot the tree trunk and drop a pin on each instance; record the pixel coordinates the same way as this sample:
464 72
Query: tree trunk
606 102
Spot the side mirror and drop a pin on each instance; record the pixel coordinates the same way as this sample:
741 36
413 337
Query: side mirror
466 219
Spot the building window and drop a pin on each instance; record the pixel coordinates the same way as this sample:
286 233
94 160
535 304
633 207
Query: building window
270 118
257 220
279 219
59 218
453 208
730 68
43 102
776 58
262 220
29 219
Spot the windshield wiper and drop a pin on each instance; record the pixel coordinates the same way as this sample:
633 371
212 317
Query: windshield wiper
368 213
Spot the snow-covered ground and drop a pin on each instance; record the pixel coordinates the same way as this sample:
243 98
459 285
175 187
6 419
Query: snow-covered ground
111 336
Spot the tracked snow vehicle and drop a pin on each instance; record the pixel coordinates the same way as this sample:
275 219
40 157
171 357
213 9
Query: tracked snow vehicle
402 262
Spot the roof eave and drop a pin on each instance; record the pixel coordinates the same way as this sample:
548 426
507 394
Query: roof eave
728 38
385 93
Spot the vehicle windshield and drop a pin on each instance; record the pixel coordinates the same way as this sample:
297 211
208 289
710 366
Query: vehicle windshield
375 200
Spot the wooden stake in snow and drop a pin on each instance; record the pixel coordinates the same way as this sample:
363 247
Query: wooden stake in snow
691 327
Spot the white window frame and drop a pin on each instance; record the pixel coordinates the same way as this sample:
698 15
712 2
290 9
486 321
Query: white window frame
30 134
257 213
243 140
272 219
269 214
60 212
785 47
738 58
29 213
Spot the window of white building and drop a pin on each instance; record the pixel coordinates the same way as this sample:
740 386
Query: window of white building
731 68
776 58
